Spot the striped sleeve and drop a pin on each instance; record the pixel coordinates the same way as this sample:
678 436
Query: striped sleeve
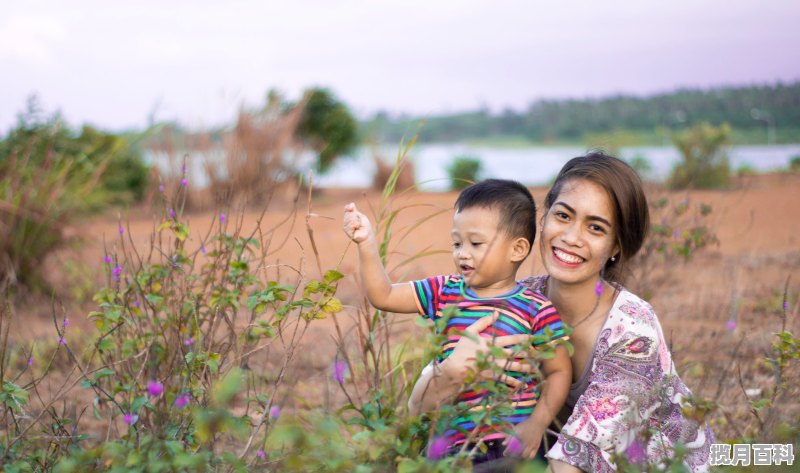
426 293
545 316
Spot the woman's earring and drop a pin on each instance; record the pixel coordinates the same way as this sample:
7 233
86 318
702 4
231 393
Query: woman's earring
598 288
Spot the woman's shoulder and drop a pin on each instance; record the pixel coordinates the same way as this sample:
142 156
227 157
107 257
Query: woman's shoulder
630 305
535 283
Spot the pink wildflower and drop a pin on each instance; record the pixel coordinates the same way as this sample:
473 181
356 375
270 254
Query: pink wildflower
182 400
116 272
274 412
514 446
130 418
437 448
339 370
636 452
155 388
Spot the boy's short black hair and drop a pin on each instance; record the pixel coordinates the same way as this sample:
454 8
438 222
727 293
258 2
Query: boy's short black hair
513 200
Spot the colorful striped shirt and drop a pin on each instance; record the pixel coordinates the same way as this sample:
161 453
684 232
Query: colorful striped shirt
521 311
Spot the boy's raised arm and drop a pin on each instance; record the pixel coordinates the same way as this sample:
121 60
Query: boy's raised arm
380 291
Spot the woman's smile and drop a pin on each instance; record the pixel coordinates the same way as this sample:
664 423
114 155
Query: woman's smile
566 257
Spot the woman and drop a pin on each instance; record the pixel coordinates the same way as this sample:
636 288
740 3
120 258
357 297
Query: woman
626 395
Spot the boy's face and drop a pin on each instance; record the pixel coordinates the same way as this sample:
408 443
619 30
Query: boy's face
481 251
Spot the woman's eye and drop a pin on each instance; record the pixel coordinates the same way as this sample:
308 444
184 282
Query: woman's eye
561 216
597 228
456 245
476 243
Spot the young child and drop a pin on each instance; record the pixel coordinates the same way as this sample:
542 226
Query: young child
493 230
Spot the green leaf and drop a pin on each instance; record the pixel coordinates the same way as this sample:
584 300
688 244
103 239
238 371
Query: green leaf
332 276
225 389
332 306
100 374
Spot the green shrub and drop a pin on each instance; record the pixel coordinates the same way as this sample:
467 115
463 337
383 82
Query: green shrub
794 164
48 177
464 171
704 156
746 169
641 165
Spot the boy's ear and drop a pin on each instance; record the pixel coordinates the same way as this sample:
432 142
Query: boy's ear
520 248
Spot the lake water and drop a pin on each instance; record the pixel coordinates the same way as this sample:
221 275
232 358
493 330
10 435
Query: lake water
532 166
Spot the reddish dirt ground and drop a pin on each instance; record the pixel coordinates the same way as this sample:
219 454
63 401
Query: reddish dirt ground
757 224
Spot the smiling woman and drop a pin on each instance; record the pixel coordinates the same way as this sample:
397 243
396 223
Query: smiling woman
625 401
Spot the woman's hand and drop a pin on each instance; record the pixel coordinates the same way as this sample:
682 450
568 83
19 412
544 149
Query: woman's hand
462 359
436 386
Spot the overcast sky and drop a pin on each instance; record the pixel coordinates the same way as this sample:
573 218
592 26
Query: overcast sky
112 64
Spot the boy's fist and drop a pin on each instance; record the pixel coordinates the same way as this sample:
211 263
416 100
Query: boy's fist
356 224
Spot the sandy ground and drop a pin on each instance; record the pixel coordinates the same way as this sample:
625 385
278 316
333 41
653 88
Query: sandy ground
757 223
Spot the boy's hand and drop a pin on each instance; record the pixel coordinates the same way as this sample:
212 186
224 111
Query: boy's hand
356 225
526 440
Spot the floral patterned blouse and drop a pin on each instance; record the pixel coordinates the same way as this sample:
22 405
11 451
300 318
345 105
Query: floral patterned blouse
632 404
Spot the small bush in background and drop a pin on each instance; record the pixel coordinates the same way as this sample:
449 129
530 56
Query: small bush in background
641 165
794 164
464 171
705 164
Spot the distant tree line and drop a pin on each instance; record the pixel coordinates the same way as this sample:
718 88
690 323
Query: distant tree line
742 108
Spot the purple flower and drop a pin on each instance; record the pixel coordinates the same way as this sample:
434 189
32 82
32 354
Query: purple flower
161 188
203 249
172 214
261 454
274 412
30 361
155 388
339 370
107 259
61 340
731 325
183 169
130 418
116 272
182 400
437 448
136 302
636 452
66 323
786 306
598 288
189 342
514 446
222 218
121 230
184 182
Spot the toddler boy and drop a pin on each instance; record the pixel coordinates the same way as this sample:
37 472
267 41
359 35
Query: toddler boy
493 230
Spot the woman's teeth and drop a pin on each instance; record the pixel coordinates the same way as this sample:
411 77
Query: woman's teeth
566 257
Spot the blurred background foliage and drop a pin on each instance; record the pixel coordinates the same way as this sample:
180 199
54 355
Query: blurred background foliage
748 110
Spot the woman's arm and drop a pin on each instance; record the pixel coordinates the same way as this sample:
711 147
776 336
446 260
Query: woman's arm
557 373
438 385
557 466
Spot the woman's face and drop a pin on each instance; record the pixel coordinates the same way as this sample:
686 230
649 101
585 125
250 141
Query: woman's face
578 233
